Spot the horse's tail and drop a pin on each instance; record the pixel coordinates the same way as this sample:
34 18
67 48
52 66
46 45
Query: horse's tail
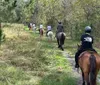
62 38
92 68
41 31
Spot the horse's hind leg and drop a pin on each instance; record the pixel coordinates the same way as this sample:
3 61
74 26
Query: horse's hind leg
61 45
62 48
83 79
58 43
86 77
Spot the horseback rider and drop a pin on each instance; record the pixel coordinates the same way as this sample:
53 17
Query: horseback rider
30 26
60 28
48 29
86 44
41 28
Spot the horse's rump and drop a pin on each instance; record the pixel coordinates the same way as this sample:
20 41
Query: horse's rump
61 34
89 62
50 33
84 60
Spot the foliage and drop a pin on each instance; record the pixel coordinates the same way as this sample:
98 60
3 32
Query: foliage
75 14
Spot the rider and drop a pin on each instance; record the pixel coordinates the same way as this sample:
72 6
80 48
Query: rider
41 28
48 29
60 28
86 44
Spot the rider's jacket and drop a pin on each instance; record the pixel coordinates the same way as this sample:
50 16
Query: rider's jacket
60 28
48 28
87 41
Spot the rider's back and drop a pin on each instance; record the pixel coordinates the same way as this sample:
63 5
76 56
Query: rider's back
60 28
87 41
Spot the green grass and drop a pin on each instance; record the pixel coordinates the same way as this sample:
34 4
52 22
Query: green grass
26 28
58 79
10 75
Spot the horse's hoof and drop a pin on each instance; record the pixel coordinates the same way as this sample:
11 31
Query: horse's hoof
62 49
83 83
58 46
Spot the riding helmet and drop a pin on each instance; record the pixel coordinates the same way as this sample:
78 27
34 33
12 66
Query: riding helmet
88 29
59 22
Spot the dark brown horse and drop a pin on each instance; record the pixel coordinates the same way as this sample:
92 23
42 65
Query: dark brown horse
89 63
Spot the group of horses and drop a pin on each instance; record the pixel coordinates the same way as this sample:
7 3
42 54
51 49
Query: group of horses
89 61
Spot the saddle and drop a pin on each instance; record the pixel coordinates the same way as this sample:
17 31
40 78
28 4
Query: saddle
91 51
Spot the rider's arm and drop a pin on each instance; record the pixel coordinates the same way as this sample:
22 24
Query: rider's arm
63 28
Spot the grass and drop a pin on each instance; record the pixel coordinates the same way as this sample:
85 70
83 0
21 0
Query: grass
58 79
25 59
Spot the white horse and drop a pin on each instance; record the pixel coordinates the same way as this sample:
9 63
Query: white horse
50 35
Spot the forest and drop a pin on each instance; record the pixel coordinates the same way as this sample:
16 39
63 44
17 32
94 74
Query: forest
74 14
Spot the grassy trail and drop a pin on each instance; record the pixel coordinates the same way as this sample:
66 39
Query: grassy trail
25 59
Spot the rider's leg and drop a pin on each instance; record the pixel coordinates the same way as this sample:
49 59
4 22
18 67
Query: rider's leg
94 50
46 33
76 58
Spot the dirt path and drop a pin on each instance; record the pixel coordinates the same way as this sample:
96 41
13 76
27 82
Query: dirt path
72 62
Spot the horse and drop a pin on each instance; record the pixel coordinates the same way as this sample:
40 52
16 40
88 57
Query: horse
30 26
60 39
41 32
89 63
50 35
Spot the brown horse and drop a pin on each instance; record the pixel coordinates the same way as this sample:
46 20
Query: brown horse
89 63
41 32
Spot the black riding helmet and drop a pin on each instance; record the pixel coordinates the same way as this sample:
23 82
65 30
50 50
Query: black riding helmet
88 29
59 22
